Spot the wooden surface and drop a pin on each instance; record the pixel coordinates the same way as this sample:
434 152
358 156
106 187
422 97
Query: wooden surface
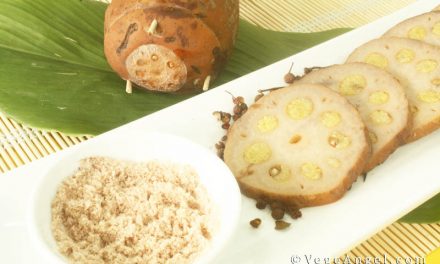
20 144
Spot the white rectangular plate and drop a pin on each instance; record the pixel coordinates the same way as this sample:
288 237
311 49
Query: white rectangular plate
402 183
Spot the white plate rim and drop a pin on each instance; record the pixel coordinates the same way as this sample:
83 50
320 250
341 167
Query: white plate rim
269 253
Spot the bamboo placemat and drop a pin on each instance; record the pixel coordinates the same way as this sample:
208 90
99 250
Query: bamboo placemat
20 144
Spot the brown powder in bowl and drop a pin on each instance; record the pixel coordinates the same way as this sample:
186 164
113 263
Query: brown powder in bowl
113 211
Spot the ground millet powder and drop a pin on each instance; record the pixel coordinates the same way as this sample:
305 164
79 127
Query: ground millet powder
113 211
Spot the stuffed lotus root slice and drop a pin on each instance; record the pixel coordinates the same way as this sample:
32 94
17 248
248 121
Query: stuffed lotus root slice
367 88
299 108
417 33
378 98
293 163
267 124
352 85
426 66
330 119
416 77
405 56
424 27
377 60
280 172
257 153
156 67
429 96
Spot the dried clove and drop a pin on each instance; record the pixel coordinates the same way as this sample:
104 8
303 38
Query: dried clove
255 223
281 225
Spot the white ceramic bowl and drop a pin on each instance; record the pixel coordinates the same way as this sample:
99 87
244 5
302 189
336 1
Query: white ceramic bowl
139 146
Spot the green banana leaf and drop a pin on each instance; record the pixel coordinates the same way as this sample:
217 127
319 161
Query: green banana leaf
53 74
429 212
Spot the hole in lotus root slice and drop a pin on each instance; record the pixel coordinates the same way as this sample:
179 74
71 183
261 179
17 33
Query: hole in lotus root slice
280 173
299 108
378 97
295 139
330 119
429 96
435 81
267 124
377 60
381 117
373 137
436 29
140 74
257 153
405 55
293 159
141 62
311 171
417 32
352 84
338 140
162 69
426 66
413 109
